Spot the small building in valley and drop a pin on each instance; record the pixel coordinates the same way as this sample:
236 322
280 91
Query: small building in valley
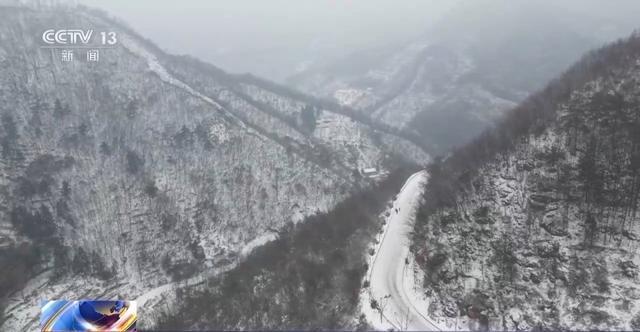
370 172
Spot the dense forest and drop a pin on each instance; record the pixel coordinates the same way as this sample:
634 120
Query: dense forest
538 111
309 278
535 223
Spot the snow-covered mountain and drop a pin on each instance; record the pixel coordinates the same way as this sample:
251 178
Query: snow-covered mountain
534 225
123 177
481 59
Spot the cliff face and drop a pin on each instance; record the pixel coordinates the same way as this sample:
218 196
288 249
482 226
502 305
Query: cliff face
535 225
120 177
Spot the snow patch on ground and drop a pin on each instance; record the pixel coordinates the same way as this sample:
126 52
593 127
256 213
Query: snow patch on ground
258 242
350 97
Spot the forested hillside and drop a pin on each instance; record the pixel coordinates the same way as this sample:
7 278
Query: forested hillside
309 278
144 170
535 224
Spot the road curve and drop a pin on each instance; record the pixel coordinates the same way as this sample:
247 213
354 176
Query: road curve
388 270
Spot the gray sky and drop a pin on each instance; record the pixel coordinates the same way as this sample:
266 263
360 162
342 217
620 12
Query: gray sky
273 38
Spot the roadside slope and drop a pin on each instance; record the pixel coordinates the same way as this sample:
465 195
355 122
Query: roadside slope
535 224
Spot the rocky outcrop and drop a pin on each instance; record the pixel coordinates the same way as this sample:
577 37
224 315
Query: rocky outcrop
536 231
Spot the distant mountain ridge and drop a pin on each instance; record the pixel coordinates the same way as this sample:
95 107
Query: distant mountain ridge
480 60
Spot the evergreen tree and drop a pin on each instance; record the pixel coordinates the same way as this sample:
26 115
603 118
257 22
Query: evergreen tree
308 118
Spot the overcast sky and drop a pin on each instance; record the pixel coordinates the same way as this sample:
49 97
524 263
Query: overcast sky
274 37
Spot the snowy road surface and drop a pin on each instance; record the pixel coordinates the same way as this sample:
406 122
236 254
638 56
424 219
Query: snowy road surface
391 278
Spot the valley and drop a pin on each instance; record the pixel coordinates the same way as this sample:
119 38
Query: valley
483 175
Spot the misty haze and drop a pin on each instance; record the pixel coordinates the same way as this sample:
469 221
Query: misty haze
369 165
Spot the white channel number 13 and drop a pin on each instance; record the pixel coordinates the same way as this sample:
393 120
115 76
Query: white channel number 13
109 38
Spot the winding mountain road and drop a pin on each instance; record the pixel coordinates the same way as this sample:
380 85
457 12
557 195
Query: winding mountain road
390 274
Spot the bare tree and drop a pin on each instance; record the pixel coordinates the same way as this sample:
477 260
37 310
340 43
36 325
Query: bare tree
380 304
403 321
